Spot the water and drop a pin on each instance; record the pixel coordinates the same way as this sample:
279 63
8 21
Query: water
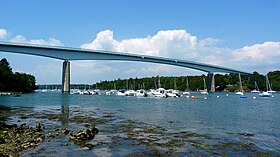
216 124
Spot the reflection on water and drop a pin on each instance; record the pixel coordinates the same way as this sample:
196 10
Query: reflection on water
65 109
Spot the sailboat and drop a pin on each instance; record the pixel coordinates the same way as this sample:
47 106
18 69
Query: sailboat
268 88
204 88
159 92
256 90
187 91
240 92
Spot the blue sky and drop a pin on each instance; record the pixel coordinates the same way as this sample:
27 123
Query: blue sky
235 33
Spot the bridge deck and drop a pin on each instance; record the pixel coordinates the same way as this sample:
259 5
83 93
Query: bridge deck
65 53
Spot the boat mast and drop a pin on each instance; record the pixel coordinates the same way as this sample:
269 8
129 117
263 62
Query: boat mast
240 83
159 85
268 86
175 85
256 86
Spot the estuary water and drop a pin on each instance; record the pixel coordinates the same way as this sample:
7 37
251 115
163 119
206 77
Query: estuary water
219 124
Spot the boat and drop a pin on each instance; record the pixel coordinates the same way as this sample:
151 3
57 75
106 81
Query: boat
172 93
271 91
121 92
268 88
204 92
256 90
160 92
141 93
111 92
240 91
187 91
130 93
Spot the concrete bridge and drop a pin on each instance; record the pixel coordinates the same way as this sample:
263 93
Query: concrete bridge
68 54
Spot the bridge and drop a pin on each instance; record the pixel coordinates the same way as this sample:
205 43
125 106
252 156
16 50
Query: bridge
67 54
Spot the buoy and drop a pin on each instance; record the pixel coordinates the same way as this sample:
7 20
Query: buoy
205 98
254 97
187 96
226 94
194 97
218 96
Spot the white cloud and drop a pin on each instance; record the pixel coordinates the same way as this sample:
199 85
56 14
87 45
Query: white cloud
170 43
50 41
181 44
3 34
268 53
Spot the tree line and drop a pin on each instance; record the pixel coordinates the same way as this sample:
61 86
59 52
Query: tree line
226 82
14 81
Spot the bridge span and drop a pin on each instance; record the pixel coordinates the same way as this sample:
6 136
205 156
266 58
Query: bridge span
67 54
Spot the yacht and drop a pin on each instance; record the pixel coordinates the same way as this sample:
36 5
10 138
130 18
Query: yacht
160 92
130 93
187 91
256 90
141 93
240 92
204 88
121 92
172 93
268 88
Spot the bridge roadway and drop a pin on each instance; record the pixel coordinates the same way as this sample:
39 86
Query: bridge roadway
68 54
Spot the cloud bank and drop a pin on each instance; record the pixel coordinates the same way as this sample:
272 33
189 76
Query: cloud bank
3 34
22 39
182 45
260 57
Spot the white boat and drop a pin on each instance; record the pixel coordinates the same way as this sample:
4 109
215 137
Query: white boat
130 93
256 90
160 92
240 92
172 93
187 91
204 92
268 88
271 91
265 94
141 93
121 92
111 92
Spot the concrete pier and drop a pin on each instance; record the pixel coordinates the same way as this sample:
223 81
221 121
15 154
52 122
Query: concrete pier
66 77
211 82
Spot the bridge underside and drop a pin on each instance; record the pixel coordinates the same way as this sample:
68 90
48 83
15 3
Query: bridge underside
68 54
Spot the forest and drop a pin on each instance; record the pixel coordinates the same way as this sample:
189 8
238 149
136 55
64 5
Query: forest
226 82
14 81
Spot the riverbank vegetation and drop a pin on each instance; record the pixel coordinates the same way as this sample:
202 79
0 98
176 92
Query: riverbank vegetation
226 82
14 81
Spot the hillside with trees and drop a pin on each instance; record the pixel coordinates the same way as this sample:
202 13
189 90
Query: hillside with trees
15 82
226 82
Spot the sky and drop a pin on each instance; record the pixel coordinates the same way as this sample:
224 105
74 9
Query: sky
238 34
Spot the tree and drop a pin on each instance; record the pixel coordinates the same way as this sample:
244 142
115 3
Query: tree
15 82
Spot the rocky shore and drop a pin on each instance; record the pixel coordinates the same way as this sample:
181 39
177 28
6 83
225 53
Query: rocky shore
14 139
50 132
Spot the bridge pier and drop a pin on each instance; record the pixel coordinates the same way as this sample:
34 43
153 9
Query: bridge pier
66 77
211 82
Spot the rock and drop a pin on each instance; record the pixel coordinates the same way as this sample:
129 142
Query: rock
87 125
84 135
87 147
64 130
2 140
40 126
